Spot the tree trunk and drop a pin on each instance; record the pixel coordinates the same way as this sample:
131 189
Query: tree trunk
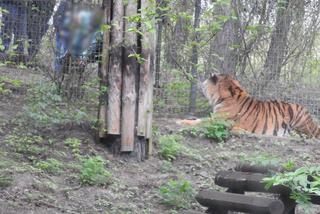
224 47
278 45
194 57
160 3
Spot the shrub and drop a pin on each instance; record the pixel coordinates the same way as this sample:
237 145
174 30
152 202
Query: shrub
170 147
50 165
93 171
177 193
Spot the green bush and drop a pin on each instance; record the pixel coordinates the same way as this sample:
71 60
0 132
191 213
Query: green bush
50 165
177 193
170 147
93 171
303 183
215 127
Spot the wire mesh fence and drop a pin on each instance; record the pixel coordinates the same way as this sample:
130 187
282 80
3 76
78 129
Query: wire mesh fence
61 37
271 51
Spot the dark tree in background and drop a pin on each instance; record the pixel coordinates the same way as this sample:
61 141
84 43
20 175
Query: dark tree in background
194 56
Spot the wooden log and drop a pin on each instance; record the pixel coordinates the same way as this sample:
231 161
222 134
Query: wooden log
146 71
247 167
129 80
315 199
115 73
103 72
251 182
241 203
190 212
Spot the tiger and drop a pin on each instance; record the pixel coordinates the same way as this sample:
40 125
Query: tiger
270 117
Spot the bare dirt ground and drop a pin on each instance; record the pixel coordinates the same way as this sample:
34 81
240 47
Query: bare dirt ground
134 186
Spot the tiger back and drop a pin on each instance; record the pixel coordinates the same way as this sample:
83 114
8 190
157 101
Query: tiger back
275 117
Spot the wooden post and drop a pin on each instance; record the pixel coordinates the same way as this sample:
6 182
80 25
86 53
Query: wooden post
103 65
146 78
127 117
130 70
115 73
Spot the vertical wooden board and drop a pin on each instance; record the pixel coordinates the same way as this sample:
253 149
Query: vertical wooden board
144 71
102 115
115 72
130 72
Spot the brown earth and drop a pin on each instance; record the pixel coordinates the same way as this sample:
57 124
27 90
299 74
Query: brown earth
134 184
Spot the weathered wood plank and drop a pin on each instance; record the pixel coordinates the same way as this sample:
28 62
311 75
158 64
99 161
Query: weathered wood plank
129 79
104 65
240 203
115 73
146 69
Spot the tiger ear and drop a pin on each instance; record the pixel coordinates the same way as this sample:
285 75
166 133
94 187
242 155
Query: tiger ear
232 90
214 79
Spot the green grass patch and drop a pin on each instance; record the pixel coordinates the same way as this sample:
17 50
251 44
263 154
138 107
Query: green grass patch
93 171
50 166
215 127
177 193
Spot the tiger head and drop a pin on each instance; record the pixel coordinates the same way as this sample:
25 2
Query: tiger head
220 87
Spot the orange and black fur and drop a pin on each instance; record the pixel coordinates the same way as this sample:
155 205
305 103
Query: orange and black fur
250 114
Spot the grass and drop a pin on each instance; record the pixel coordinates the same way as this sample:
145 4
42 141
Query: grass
177 193
50 166
74 144
170 148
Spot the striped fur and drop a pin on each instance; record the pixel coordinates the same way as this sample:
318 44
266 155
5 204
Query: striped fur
274 117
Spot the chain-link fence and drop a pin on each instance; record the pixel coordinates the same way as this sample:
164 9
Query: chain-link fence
272 49
61 37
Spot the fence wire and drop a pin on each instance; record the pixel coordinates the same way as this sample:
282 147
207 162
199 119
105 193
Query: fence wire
63 36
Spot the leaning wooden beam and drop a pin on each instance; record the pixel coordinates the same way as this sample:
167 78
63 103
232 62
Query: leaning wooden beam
130 71
104 72
220 201
115 73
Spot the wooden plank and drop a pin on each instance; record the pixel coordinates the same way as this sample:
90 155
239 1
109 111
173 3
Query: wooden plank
250 182
130 71
146 70
115 73
241 203
104 64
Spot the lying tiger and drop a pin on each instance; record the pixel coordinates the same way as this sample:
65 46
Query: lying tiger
250 114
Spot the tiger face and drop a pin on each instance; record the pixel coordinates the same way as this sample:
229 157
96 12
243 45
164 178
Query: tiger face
220 87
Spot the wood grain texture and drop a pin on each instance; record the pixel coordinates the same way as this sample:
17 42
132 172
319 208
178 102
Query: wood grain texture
115 73
103 74
129 87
